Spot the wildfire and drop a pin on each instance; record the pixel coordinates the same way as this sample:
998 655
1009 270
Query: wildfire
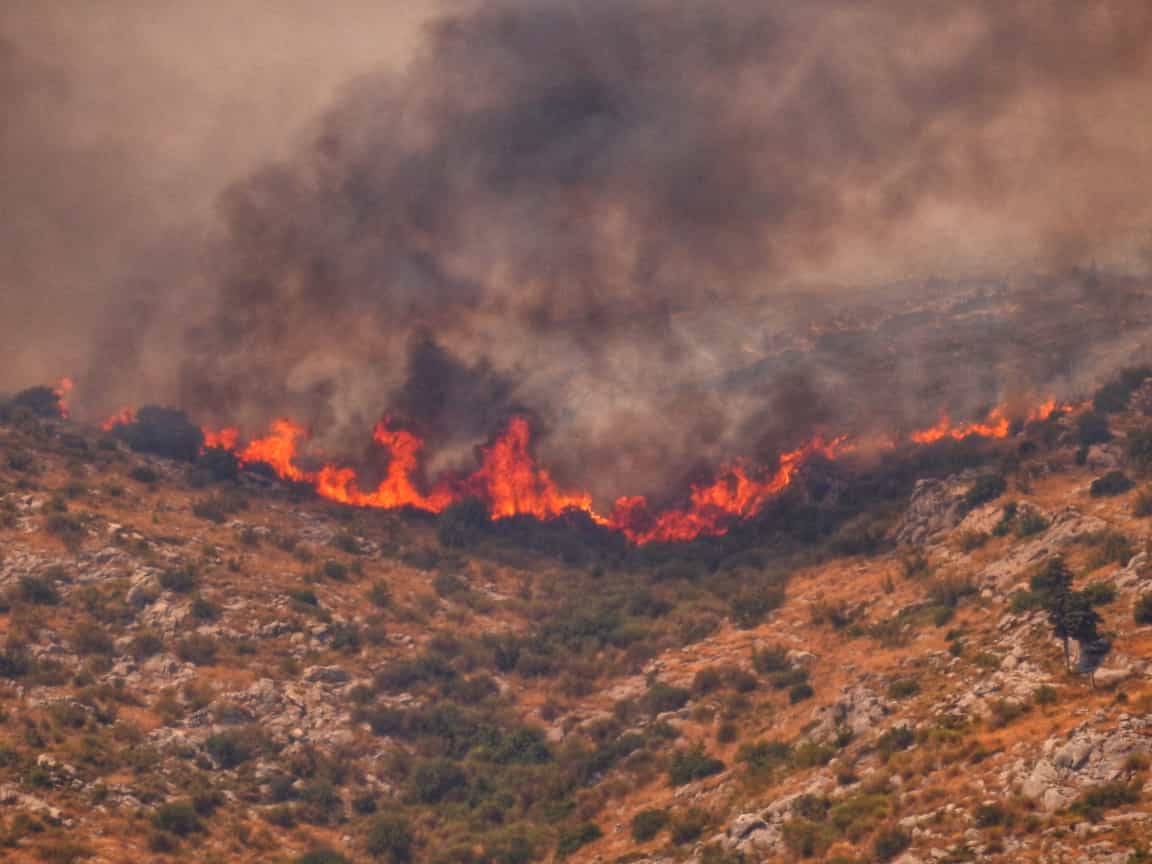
123 417
995 425
510 482
63 391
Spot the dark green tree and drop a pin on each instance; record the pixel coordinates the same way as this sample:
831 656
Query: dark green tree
1070 612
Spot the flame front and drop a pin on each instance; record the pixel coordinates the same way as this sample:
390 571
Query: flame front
510 482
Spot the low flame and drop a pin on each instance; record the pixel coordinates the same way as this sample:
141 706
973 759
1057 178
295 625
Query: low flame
123 417
511 483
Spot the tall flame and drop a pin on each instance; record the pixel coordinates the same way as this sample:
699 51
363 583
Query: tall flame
63 391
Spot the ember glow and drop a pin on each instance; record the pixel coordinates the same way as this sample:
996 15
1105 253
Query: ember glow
511 482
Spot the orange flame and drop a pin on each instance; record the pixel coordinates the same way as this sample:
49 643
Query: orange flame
224 439
511 483
123 417
63 391
995 425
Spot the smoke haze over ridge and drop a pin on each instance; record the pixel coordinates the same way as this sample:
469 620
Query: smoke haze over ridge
628 218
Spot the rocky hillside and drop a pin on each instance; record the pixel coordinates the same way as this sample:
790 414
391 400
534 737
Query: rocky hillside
205 670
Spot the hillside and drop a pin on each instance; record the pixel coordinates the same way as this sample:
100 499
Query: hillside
239 671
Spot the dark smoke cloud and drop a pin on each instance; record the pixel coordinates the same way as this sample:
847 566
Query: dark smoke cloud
629 217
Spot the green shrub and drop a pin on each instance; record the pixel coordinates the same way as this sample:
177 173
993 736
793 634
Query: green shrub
390 836
1030 522
889 843
687 766
661 697
903 688
800 692
576 837
1110 484
687 826
197 649
807 839
448 584
380 594
1142 612
1112 547
751 606
1142 503
233 747
985 488
1107 796
177 817
1100 593
437 780
38 590
969 541
322 855
895 739
334 570
648 823
88 637
1092 428
143 474
990 816
179 580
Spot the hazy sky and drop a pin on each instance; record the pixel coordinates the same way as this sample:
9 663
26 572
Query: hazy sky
124 119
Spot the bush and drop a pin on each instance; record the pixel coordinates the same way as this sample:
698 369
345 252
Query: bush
575 837
233 747
751 606
693 764
800 692
1107 796
179 580
1092 428
1112 547
437 780
39 401
447 584
689 825
986 487
1142 612
889 843
1030 522
89 638
895 739
1099 593
390 836
380 594
903 688
1142 503
648 823
990 816
177 817
661 697
1112 483
322 855
164 432
38 590
197 649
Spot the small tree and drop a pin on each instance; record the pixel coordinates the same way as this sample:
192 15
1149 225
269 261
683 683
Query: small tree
1070 613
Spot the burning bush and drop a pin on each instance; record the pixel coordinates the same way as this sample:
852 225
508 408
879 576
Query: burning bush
37 401
162 431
